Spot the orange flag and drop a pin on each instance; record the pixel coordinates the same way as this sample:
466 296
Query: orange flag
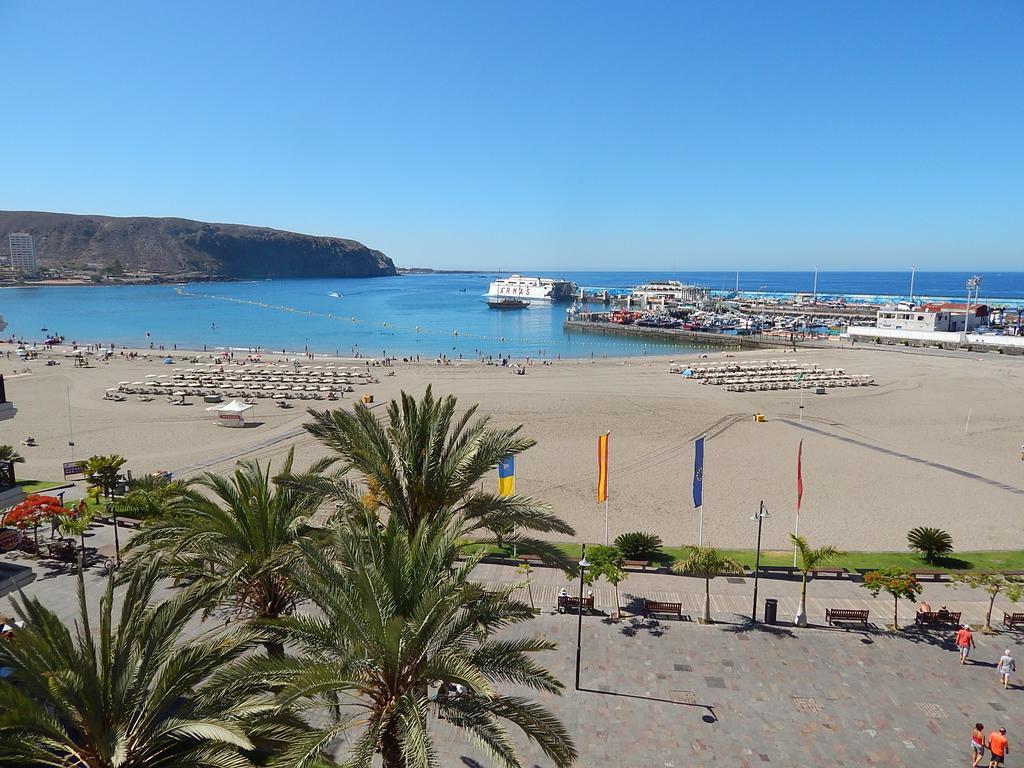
602 467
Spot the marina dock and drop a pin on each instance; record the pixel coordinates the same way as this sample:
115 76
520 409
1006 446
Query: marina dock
703 338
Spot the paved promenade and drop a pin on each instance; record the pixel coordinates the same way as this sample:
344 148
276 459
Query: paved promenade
675 693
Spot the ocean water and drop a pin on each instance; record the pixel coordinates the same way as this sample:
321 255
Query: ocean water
426 315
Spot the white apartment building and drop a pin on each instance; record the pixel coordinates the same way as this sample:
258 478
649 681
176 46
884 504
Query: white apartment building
932 317
23 253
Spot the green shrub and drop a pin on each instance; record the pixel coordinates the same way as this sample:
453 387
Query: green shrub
638 545
933 543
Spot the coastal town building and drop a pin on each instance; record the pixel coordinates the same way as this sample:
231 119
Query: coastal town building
665 292
942 317
23 253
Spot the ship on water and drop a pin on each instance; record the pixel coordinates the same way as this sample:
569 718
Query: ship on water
506 302
532 288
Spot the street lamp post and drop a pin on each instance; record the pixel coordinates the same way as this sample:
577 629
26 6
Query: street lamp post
579 612
973 284
762 513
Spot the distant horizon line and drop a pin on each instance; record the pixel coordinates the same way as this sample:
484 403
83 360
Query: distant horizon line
732 271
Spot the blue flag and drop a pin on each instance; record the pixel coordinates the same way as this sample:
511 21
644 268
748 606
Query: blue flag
698 472
507 476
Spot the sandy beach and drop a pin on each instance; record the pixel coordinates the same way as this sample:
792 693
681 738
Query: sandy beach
876 460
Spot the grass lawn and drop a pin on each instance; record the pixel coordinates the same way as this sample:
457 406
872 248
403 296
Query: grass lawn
959 561
38 486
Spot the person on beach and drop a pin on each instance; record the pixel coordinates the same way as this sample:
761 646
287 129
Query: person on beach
977 744
964 641
1006 665
999 747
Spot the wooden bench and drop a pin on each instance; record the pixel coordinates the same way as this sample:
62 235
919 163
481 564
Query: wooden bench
926 618
129 522
774 570
529 559
656 607
929 574
643 565
835 573
1011 620
832 615
568 602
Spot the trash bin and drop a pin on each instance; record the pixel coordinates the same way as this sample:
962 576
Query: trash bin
771 610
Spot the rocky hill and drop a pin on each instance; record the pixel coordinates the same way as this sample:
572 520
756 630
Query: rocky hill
180 246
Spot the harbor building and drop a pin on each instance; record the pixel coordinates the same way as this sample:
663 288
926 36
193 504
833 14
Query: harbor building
944 317
23 253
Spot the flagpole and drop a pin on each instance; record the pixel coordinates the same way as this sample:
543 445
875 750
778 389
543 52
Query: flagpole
606 522
602 472
700 507
797 533
799 491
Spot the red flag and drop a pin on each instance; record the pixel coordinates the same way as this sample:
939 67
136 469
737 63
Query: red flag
602 467
799 475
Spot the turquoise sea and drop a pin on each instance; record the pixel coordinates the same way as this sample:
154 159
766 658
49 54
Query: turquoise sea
426 315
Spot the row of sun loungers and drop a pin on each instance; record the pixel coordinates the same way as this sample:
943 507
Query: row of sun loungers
144 393
809 378
772 375
279 382
772 386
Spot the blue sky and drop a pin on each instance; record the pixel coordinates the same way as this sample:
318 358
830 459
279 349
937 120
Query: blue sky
536 135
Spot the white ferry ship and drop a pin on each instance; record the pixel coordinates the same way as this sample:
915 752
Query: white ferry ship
532 288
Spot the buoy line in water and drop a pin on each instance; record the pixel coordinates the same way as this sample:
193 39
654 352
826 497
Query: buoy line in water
420 329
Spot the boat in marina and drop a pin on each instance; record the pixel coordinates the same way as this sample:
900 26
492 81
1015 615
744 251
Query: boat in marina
507 302
532 288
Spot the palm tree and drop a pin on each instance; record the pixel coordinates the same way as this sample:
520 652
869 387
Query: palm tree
129 692
151 497
104 472
395 620
706 563
148 498
809 559
243 540
423 463
933 543
8 453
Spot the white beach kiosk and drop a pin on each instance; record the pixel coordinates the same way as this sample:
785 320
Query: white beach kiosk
231 414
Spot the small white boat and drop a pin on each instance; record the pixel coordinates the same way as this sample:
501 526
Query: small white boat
334 295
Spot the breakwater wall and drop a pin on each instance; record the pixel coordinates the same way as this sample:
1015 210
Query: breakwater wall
683 336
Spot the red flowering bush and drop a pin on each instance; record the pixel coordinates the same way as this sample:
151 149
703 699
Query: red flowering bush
35 510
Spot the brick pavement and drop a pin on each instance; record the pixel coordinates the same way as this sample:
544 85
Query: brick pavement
678 693
681 694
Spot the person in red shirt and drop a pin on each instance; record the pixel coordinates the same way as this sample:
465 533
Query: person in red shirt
998 746
964 641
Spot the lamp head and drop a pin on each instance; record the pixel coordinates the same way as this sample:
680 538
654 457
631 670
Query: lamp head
584 563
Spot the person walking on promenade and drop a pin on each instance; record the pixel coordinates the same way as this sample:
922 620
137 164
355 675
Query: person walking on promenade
999 747
964 641
1006 665
977 744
